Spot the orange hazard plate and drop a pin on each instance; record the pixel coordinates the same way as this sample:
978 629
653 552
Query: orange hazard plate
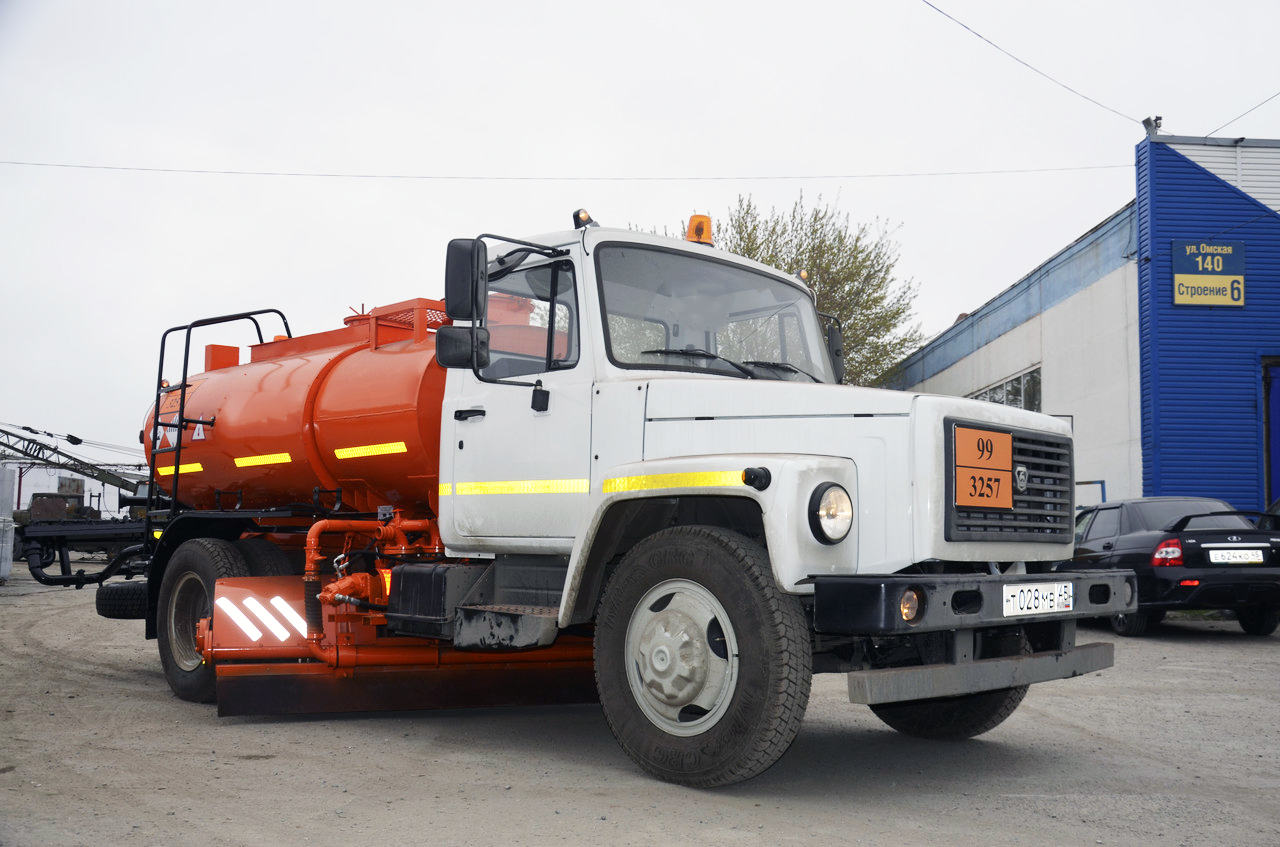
983 471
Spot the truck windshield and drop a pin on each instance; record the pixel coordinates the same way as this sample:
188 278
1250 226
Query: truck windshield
666 309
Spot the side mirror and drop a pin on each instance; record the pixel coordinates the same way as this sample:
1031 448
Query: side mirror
462 347
466 271
835 347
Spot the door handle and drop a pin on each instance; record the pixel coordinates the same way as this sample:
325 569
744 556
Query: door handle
467 414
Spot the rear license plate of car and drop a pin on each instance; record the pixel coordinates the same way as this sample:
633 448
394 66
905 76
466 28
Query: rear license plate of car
1237 557
1041 598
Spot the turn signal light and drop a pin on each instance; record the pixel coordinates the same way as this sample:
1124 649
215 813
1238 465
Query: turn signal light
1167 554
909 605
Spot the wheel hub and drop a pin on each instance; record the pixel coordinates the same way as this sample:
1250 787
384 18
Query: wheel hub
673 658
682 657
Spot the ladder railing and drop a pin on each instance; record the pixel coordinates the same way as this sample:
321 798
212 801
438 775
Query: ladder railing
176 427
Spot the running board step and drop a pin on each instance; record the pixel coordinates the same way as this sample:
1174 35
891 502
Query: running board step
505 627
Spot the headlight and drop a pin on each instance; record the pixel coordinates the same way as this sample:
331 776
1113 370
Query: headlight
830 513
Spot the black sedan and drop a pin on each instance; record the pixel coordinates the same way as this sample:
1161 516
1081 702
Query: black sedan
1188 553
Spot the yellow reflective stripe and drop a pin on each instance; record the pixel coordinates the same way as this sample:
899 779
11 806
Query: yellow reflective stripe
371 450
188 467
446 489
697 479
519 486
264 459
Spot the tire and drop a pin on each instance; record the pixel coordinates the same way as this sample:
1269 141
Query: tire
966 716
1258 620
124 601
1130 624
264 558
186 596
703 665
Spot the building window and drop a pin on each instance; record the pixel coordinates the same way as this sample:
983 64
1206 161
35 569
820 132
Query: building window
1022 391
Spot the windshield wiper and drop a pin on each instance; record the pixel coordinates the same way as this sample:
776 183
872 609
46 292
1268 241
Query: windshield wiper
782 366
698 353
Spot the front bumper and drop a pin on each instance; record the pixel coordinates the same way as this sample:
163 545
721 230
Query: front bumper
959 607
894 685
869 605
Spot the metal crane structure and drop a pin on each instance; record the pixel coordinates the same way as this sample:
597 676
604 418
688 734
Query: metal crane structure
45 542
50 456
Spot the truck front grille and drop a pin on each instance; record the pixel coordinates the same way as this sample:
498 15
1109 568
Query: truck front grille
1042 513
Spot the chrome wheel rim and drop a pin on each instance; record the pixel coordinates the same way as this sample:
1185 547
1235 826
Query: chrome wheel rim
190 603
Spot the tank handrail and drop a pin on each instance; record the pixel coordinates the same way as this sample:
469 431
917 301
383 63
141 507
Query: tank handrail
181 421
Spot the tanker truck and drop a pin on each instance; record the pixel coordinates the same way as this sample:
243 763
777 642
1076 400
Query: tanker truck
607 466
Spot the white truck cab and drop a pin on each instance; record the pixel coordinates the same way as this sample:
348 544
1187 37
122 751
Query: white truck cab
652 437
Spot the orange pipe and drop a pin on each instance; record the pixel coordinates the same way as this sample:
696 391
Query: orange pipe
394 531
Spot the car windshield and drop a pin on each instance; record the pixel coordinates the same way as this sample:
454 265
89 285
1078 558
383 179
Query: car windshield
667 309
1158 514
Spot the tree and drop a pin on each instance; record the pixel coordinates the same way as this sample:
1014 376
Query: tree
850 270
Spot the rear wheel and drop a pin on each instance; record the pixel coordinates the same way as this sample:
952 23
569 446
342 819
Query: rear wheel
186 596
955 718
703 666
264 558
1258 620
1131 624
126 601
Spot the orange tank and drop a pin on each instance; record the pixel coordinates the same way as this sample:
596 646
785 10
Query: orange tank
356 409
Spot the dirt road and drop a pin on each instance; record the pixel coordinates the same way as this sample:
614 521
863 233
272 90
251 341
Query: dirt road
1178 744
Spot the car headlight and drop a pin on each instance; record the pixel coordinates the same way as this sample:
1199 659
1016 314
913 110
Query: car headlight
830 513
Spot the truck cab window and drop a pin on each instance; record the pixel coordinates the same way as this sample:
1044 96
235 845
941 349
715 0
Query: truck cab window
669 310
532 318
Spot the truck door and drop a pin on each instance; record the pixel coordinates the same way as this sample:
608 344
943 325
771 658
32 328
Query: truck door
519 460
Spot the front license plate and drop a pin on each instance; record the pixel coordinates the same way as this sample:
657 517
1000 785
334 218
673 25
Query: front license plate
1041 598
1237 557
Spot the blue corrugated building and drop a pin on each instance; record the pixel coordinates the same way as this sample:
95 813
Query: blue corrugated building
1157 333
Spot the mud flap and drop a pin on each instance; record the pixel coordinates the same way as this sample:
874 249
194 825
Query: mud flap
314 688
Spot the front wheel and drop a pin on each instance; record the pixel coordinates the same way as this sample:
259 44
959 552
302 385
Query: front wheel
957 718
186 596
703 666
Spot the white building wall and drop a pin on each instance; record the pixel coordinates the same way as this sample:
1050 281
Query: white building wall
1253 169
1087 350
8 482
1091 372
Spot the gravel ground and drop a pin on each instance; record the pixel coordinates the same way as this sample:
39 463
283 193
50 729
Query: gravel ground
1178 744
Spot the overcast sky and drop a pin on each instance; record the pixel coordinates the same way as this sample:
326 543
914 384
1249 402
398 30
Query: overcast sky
505 117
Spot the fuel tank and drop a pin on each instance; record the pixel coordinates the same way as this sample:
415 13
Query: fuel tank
355 409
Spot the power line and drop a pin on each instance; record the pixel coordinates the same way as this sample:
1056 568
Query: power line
479 178
1241 115
1027 65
